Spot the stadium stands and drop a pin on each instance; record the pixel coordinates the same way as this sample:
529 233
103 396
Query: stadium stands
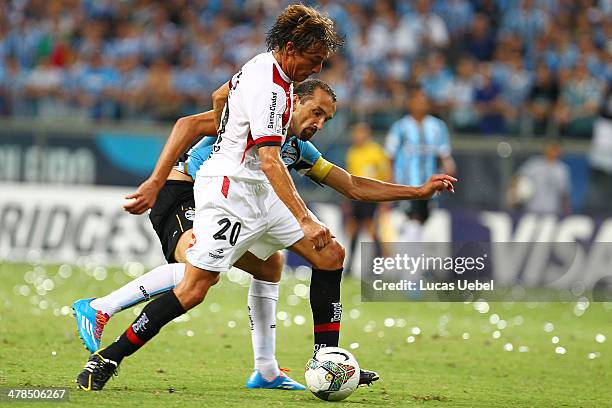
159 60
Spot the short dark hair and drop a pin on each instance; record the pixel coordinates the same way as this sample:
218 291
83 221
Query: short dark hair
305 89
305 27
415 88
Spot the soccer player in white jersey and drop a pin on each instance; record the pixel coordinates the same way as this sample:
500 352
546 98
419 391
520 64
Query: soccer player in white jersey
243 191
170 219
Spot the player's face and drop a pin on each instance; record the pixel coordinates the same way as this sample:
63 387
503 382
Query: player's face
418 105
302 64
311 115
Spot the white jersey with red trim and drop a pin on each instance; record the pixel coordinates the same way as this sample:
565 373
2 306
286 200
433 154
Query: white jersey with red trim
257 112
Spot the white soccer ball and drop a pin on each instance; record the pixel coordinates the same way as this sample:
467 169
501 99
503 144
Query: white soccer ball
332 374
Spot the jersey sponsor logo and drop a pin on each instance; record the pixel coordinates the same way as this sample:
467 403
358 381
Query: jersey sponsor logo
141 323
190 214
215 256
144 292
272 117
288 88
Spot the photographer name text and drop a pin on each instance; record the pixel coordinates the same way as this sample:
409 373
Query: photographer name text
424 286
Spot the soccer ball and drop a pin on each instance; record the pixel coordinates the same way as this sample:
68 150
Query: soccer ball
332 374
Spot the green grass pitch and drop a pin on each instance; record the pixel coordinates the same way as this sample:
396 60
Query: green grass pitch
428 354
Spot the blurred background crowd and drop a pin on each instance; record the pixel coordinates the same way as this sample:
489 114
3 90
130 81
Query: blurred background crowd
535 67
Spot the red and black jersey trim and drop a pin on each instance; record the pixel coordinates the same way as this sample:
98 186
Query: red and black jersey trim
268 144
262 141
269 141
278 80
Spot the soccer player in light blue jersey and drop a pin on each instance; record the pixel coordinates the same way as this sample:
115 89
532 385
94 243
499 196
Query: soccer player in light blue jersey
418 145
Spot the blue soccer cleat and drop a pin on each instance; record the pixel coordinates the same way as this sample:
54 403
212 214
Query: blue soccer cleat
90 323
282 382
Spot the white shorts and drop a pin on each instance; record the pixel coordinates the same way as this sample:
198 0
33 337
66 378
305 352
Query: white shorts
233 216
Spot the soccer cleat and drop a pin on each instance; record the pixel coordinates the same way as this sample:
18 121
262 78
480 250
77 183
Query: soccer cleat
282 382
90 323
96 373
368 377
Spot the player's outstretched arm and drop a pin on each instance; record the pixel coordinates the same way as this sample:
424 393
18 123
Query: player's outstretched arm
219 98
276 171
367 189
185 131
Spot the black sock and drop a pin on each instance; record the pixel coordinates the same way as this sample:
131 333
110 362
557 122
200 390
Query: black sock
326 307
377 246
349 261
155 315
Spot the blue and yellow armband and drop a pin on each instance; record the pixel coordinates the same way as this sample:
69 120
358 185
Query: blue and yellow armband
320 170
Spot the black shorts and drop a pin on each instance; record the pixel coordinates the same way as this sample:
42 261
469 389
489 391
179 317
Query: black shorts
173 214
363 210
418 209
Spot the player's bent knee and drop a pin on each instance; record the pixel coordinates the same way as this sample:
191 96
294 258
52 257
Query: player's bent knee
191 292
182 246
275 264
215 279
331 257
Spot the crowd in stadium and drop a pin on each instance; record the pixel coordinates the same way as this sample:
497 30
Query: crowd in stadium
487 66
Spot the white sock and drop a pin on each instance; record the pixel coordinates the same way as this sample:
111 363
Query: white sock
158 280
412 231
262 312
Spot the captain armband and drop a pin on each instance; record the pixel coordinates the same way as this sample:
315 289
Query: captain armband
320 170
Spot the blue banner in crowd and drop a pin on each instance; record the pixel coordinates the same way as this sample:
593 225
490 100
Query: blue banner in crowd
116 159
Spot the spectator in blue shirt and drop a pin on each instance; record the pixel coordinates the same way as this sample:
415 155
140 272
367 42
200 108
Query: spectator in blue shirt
516 87
131 77
543 99
527 20
190 83
480 40
437 81
580 97
461 102
97 82
564 54
457 14
489 103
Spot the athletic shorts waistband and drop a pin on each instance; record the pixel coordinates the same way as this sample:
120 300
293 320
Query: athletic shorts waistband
178 182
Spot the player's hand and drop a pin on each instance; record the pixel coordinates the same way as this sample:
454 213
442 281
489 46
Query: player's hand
437 183
316 233
143 198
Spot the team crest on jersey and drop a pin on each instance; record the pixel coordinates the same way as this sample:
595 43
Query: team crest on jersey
190 214
289 154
